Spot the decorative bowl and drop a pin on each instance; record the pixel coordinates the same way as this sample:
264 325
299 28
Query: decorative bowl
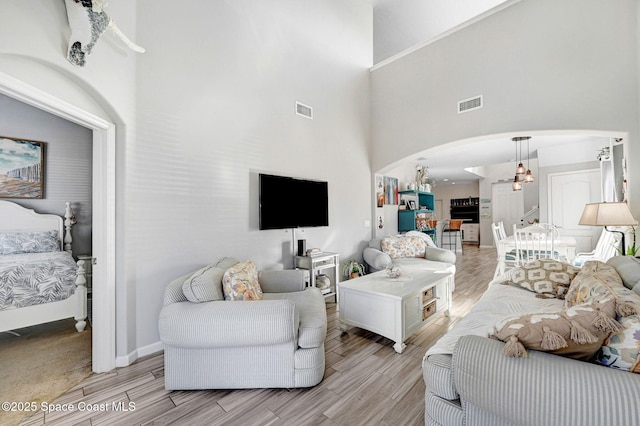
394 271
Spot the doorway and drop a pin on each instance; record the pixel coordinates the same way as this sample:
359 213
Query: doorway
568 193
508 205
103 201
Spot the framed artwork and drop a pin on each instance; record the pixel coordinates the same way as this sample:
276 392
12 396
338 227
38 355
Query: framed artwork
412 205
21 168
390 190
379 191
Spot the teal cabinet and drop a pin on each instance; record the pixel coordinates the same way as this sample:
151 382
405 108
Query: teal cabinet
424 203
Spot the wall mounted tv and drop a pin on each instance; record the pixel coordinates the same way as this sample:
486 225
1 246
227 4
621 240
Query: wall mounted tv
287 202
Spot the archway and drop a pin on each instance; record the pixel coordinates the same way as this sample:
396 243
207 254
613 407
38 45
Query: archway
104 141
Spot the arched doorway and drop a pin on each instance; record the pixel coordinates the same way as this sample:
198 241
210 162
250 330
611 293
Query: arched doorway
103 341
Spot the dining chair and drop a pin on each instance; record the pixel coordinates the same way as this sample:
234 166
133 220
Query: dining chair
534 242
509 260
606 248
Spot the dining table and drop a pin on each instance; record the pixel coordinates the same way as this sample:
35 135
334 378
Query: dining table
565 246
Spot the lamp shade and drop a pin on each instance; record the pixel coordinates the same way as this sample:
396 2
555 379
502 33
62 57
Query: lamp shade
607 214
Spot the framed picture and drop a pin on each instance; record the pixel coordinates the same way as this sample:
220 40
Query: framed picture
411 204
21 168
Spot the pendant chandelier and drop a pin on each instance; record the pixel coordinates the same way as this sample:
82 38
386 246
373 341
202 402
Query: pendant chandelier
522 174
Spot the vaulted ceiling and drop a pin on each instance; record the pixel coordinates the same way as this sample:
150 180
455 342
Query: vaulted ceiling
402 24
399 25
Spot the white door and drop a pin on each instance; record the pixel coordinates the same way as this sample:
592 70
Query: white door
568 193
507 205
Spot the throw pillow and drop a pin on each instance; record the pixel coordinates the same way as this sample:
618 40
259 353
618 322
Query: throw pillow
597 278
577 332
545 277
401 246
240 282
627 268
622 349
428 241
205 284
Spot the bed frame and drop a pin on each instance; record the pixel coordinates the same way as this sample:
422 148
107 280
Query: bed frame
17 218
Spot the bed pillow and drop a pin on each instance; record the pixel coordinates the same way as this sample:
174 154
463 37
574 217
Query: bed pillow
29 242
545 277
240 282
205 285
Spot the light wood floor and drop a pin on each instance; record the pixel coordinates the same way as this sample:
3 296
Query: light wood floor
365 383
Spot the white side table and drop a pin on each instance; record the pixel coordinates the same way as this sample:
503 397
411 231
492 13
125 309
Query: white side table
320 262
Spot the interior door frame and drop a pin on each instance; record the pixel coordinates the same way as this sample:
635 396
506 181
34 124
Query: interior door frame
595 232
103 221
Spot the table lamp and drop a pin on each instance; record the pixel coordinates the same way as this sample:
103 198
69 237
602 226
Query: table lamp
608 214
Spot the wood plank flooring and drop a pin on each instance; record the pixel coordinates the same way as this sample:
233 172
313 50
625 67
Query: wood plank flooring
365 383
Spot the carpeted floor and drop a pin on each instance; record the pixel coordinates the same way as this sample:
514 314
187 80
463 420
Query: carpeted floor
41 364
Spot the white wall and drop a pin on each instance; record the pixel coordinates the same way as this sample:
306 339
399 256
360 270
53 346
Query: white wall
67 165
538 64
215 92
33 44
216 107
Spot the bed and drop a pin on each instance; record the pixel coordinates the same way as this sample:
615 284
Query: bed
40 281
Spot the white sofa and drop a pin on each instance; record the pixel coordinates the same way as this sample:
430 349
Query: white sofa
276 342
377 260
470 381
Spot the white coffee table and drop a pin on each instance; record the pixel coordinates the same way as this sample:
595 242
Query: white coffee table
396 308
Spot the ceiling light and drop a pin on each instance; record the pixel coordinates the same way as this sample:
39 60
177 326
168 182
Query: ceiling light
520 169
517 184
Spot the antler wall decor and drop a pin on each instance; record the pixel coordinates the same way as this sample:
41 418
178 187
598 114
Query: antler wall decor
88 21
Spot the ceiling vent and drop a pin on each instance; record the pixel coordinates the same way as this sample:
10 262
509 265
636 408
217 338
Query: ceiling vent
304 110
470 104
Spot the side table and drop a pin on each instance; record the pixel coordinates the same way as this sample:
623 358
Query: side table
319 262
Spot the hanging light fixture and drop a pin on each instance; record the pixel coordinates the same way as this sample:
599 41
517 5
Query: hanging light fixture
526 174
520 170
528 177
517 184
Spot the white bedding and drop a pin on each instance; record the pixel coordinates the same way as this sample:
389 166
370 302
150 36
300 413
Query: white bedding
36 278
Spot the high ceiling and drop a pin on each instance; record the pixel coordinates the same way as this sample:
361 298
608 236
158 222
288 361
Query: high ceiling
402 24
399 25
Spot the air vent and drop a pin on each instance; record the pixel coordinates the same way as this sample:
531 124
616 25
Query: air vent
470 104
304 110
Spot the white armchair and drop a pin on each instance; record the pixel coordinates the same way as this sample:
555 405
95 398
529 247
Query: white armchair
277 342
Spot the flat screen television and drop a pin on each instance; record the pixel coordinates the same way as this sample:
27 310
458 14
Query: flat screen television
287 202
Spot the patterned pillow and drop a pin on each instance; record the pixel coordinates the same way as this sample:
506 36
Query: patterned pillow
29 242
205 284
621 349
598 278
240 282
594 278
545 276
576 332
427 239
401 246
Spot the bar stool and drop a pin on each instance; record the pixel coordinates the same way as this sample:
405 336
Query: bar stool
454 227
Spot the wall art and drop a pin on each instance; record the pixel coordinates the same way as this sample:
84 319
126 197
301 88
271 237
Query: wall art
21 168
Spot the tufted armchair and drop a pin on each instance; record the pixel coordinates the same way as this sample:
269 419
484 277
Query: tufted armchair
276 342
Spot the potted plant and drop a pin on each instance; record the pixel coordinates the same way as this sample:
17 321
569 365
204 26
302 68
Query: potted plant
632 249
353 269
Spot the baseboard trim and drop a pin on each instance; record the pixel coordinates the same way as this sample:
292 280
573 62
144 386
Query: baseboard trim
127 360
